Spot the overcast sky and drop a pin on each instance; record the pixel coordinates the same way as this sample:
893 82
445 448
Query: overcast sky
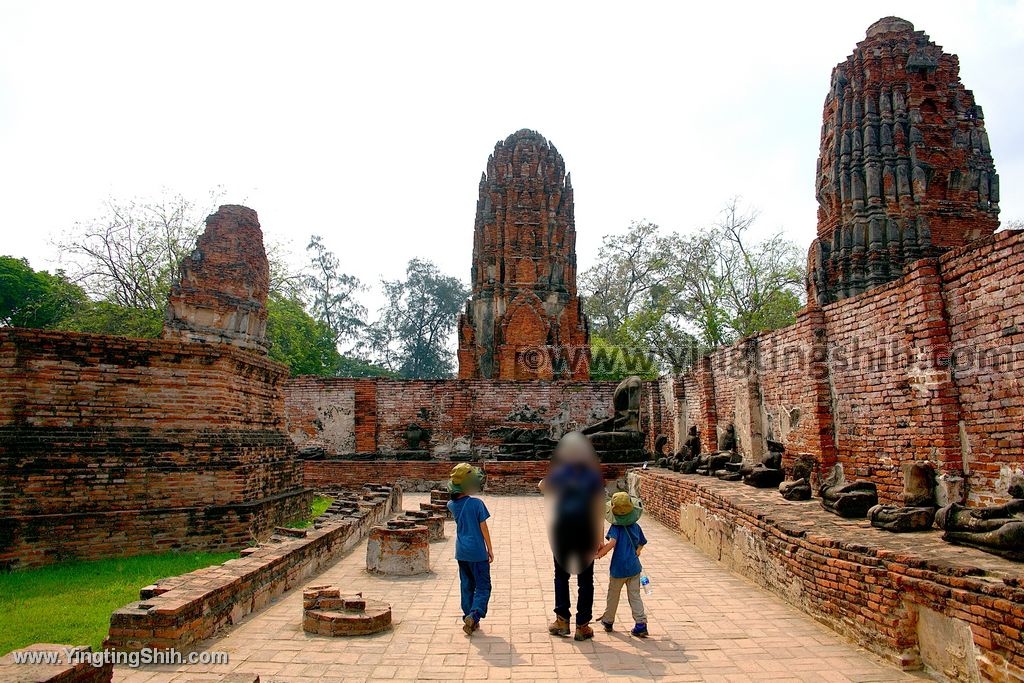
371 122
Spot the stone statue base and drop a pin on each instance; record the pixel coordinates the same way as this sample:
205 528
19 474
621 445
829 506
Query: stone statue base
799 489
901 519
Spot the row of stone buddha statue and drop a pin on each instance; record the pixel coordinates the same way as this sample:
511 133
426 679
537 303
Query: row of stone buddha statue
997 529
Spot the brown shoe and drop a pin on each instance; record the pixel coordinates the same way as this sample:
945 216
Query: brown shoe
583 632
559 627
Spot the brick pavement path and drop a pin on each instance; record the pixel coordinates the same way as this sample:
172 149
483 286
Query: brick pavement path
706 624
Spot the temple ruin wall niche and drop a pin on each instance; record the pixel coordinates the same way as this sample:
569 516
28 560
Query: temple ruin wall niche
459 414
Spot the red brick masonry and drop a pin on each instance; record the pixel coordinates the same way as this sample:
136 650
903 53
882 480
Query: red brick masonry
878 588
926 367
346 416
182 610
502 477
115 446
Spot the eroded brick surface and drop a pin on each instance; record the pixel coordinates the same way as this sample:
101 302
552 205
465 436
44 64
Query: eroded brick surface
866 583
524 306
220 295
117 446
182 610
345 416
905 169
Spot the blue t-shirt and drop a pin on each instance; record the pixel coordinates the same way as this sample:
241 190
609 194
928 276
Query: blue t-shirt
469 540
625 562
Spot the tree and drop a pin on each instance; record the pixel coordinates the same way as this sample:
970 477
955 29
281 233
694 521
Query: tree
30 298
670 293
331 293
306 345
760 283
129 255
629 300
104 317
412 336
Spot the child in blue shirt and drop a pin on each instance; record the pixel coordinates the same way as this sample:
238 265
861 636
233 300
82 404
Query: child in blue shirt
473 549
626 540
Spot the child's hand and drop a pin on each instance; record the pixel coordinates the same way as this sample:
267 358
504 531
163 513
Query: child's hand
490 556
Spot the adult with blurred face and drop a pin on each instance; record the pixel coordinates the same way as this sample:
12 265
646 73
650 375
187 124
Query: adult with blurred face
576 485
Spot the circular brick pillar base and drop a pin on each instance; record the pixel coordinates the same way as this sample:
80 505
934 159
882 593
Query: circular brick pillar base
434 522
398 548
326 612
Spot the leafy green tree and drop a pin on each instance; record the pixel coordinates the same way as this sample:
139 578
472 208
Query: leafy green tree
104 317
130 254
303 344
629 300
306 345
332 293
30 298
671 294
412 337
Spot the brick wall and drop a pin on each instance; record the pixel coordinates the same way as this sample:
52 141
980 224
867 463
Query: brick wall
872 586
117 446
983 286
866 381
371 416
180 611
502 477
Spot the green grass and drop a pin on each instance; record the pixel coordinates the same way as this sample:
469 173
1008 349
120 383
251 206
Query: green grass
71 603
320 505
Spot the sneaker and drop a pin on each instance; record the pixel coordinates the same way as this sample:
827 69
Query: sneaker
469 624
559 627
608 626
583 632
640 631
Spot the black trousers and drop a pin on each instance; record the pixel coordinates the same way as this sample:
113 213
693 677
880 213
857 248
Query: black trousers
584 597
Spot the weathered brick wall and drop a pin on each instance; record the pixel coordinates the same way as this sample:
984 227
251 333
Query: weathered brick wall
868 376
460 414
502 477
180 611
115 446
892 403
983 285
793 381
872 586
723 376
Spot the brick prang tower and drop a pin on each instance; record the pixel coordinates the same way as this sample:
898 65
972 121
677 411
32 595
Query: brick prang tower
905 168
524 319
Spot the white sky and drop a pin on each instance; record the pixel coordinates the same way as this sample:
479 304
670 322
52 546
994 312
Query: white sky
371 122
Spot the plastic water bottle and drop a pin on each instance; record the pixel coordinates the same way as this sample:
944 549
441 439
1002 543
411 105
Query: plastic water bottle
645 583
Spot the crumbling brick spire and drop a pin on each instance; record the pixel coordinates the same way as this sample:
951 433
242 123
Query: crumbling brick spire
220 295
905 169
524 320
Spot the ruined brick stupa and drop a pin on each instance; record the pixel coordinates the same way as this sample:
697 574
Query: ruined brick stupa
524 311
220 295
905 169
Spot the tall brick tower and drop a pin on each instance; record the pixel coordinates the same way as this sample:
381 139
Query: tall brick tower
524 320
905 169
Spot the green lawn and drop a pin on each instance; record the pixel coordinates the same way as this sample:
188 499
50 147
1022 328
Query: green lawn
320 505
71 603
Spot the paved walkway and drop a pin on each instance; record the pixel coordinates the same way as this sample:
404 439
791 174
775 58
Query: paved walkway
706 624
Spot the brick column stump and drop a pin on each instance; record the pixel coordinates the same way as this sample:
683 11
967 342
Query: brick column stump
398 548
326 612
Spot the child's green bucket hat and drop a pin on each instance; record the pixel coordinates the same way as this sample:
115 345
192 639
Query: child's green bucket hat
623 509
